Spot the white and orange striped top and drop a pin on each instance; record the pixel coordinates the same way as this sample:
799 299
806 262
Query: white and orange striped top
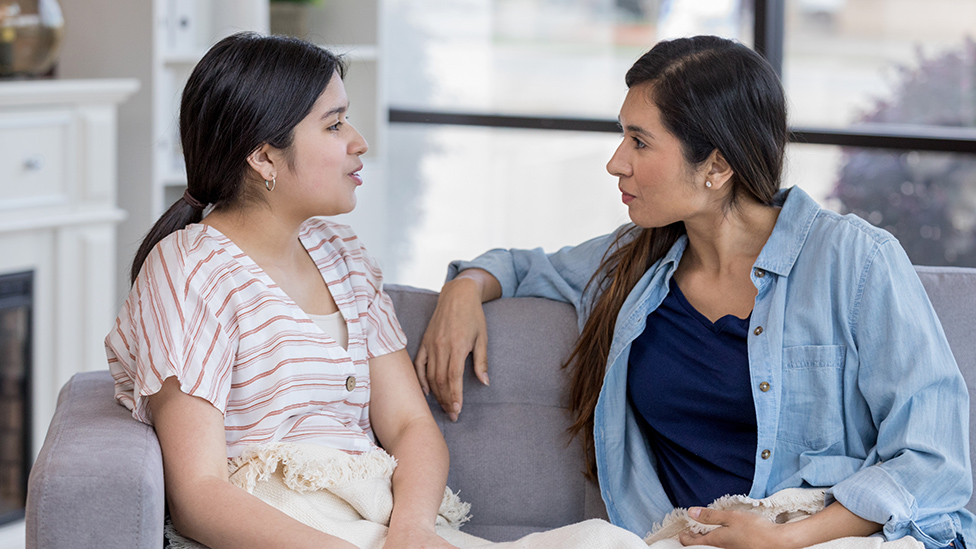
203 311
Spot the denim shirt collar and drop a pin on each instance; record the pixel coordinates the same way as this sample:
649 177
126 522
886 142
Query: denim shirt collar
790 232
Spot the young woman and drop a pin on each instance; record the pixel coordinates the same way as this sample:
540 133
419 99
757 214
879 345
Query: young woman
260 323
736 338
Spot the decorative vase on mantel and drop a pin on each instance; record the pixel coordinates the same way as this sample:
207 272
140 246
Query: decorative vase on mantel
30 36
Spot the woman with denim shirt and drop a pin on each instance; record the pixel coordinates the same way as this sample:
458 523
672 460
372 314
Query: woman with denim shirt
730 308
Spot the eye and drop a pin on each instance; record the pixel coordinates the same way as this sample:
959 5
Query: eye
638 144
335 127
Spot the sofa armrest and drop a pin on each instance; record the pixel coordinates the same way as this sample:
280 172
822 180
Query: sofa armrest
98 480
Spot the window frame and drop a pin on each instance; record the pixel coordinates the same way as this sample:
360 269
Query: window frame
768 40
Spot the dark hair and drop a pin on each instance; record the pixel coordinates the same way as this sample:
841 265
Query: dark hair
246 91
713 94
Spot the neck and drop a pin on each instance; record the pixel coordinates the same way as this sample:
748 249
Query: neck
261 233
726 241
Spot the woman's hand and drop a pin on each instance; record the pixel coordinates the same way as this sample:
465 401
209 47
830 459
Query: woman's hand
739 529
415 537
456 329
743 529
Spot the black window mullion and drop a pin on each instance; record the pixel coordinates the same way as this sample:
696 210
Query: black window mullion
768 30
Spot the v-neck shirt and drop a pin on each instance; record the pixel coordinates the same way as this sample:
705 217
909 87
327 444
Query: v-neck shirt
689 382
203 311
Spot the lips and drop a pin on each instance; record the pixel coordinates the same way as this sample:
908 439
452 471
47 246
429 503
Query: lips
625 196
356 176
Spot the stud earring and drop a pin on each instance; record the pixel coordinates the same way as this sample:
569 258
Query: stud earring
707 184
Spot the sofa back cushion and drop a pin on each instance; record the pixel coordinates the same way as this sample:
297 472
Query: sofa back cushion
952 291
511 457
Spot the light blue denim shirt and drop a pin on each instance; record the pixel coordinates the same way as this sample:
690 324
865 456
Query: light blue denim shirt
864 395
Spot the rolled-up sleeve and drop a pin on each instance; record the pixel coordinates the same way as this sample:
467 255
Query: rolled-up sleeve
919 405
562 275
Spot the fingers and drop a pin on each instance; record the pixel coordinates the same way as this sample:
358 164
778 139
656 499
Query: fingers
438 368
456 381
420 364
690 538
705 515
481 358
449 384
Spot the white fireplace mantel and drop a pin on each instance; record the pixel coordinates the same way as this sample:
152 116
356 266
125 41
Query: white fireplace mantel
58 213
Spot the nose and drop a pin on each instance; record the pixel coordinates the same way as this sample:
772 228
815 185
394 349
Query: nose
618 165
357 145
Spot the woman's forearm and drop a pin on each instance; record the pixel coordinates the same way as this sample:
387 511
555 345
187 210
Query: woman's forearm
488 286
219 514
420 475
834 522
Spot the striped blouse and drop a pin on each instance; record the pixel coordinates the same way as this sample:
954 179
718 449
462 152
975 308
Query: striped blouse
203 311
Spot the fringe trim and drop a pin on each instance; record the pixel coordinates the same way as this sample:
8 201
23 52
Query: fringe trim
307 467
176 541
787 505
310 467
454 511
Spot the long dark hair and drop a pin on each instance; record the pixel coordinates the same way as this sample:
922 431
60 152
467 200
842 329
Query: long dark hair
713 94
247 90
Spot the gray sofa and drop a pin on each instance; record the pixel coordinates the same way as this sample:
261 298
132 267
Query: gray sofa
98 479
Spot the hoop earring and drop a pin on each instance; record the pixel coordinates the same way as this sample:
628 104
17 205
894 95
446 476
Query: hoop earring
270 186
707 184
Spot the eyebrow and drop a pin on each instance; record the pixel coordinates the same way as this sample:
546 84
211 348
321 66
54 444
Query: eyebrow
337 110
639 130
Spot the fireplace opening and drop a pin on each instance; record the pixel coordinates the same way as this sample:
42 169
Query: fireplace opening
16 294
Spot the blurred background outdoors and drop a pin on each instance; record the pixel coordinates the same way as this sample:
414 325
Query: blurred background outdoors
460 190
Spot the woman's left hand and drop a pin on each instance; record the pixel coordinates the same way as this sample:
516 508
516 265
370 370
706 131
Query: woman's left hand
739 530
416 537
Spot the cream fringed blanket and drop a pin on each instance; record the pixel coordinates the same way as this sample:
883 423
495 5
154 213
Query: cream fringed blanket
351 497
784 506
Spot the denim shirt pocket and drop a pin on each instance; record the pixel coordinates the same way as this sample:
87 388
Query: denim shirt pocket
812 409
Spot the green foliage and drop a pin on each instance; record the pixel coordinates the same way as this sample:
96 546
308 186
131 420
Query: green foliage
927 200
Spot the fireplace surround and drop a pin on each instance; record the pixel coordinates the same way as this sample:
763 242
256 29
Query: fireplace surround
58 219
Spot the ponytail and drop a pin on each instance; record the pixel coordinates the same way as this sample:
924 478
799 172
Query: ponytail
178 216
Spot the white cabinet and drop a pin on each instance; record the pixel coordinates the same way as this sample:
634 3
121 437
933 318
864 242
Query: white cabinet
58 216
158 42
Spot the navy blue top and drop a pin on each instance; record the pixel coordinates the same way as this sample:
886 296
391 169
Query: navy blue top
688 379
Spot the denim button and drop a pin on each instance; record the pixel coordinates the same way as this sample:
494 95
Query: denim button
765 454
764 386
758 330
760 273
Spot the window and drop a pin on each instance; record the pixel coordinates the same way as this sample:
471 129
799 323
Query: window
882 96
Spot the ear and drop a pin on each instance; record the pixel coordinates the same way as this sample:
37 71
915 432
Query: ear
718 171
263 161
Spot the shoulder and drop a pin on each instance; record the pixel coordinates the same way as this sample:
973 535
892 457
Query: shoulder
849 240
850 226
189 256
816 233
